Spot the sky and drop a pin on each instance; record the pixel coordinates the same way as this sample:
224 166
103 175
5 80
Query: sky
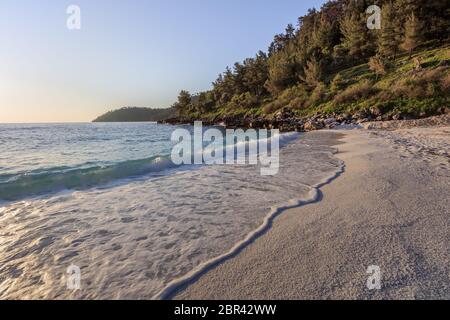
127 53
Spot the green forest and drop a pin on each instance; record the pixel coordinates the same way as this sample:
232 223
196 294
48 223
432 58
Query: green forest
331 62
135 114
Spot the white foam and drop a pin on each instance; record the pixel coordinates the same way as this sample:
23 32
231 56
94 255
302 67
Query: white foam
142 239
312 197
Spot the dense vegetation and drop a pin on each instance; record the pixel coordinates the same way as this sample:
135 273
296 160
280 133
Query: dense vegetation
135 114
333 63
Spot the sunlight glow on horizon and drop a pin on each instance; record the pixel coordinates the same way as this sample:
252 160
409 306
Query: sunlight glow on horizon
134 53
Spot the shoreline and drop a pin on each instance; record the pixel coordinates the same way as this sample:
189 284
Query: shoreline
360 172
286 121
379 212
155 230
315 195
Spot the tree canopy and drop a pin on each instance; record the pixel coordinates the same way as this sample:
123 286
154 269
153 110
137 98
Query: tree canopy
135 114
323 43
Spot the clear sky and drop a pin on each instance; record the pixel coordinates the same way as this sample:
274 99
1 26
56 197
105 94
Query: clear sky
127 53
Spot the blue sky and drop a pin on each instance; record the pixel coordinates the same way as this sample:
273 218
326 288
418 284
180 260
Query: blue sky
127 53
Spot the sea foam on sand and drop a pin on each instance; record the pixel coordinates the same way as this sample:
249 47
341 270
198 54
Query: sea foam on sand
134 239
388 210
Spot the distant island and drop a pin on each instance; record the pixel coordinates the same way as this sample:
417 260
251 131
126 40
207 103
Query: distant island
136 114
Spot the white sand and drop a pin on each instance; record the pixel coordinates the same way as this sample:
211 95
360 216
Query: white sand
390 208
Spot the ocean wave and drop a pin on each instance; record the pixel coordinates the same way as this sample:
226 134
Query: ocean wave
41 182
169 230
47 180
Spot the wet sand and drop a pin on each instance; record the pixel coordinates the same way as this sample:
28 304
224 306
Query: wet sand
390 208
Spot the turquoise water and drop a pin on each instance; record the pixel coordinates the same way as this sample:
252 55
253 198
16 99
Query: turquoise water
40 158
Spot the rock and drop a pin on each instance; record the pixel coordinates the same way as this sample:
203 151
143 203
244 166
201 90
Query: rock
362 120
407 117
300 127
329 121
313 125
346 116
443 110
359 115
332 125
375 111
284 114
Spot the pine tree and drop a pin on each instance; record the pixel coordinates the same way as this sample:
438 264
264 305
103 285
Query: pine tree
403 10
413 31
356 39
256 74
326 36
388 41
322 45
183 104
224 87
436 14
313 73
281 72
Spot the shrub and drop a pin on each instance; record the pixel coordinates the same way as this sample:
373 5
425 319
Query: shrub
423 84
384 95
378 65
445 84
298 103
313 73
355 92
291 93
416 107
318 95
406 89
271 107
245 100
294 97
431 75
338 83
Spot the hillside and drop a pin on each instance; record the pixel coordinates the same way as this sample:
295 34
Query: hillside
333 65
135 114
413 87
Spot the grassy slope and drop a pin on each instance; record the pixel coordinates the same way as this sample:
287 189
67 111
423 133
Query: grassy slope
412 103
421 95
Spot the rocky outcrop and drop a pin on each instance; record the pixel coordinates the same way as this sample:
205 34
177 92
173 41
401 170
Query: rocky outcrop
443 120
286 121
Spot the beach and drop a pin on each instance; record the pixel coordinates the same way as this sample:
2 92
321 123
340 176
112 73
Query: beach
389 209
344 201
94 197
218 151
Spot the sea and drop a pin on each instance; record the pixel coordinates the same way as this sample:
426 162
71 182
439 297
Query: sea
99 211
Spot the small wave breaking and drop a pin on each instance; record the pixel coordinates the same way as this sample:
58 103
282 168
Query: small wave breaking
38 183
43 181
